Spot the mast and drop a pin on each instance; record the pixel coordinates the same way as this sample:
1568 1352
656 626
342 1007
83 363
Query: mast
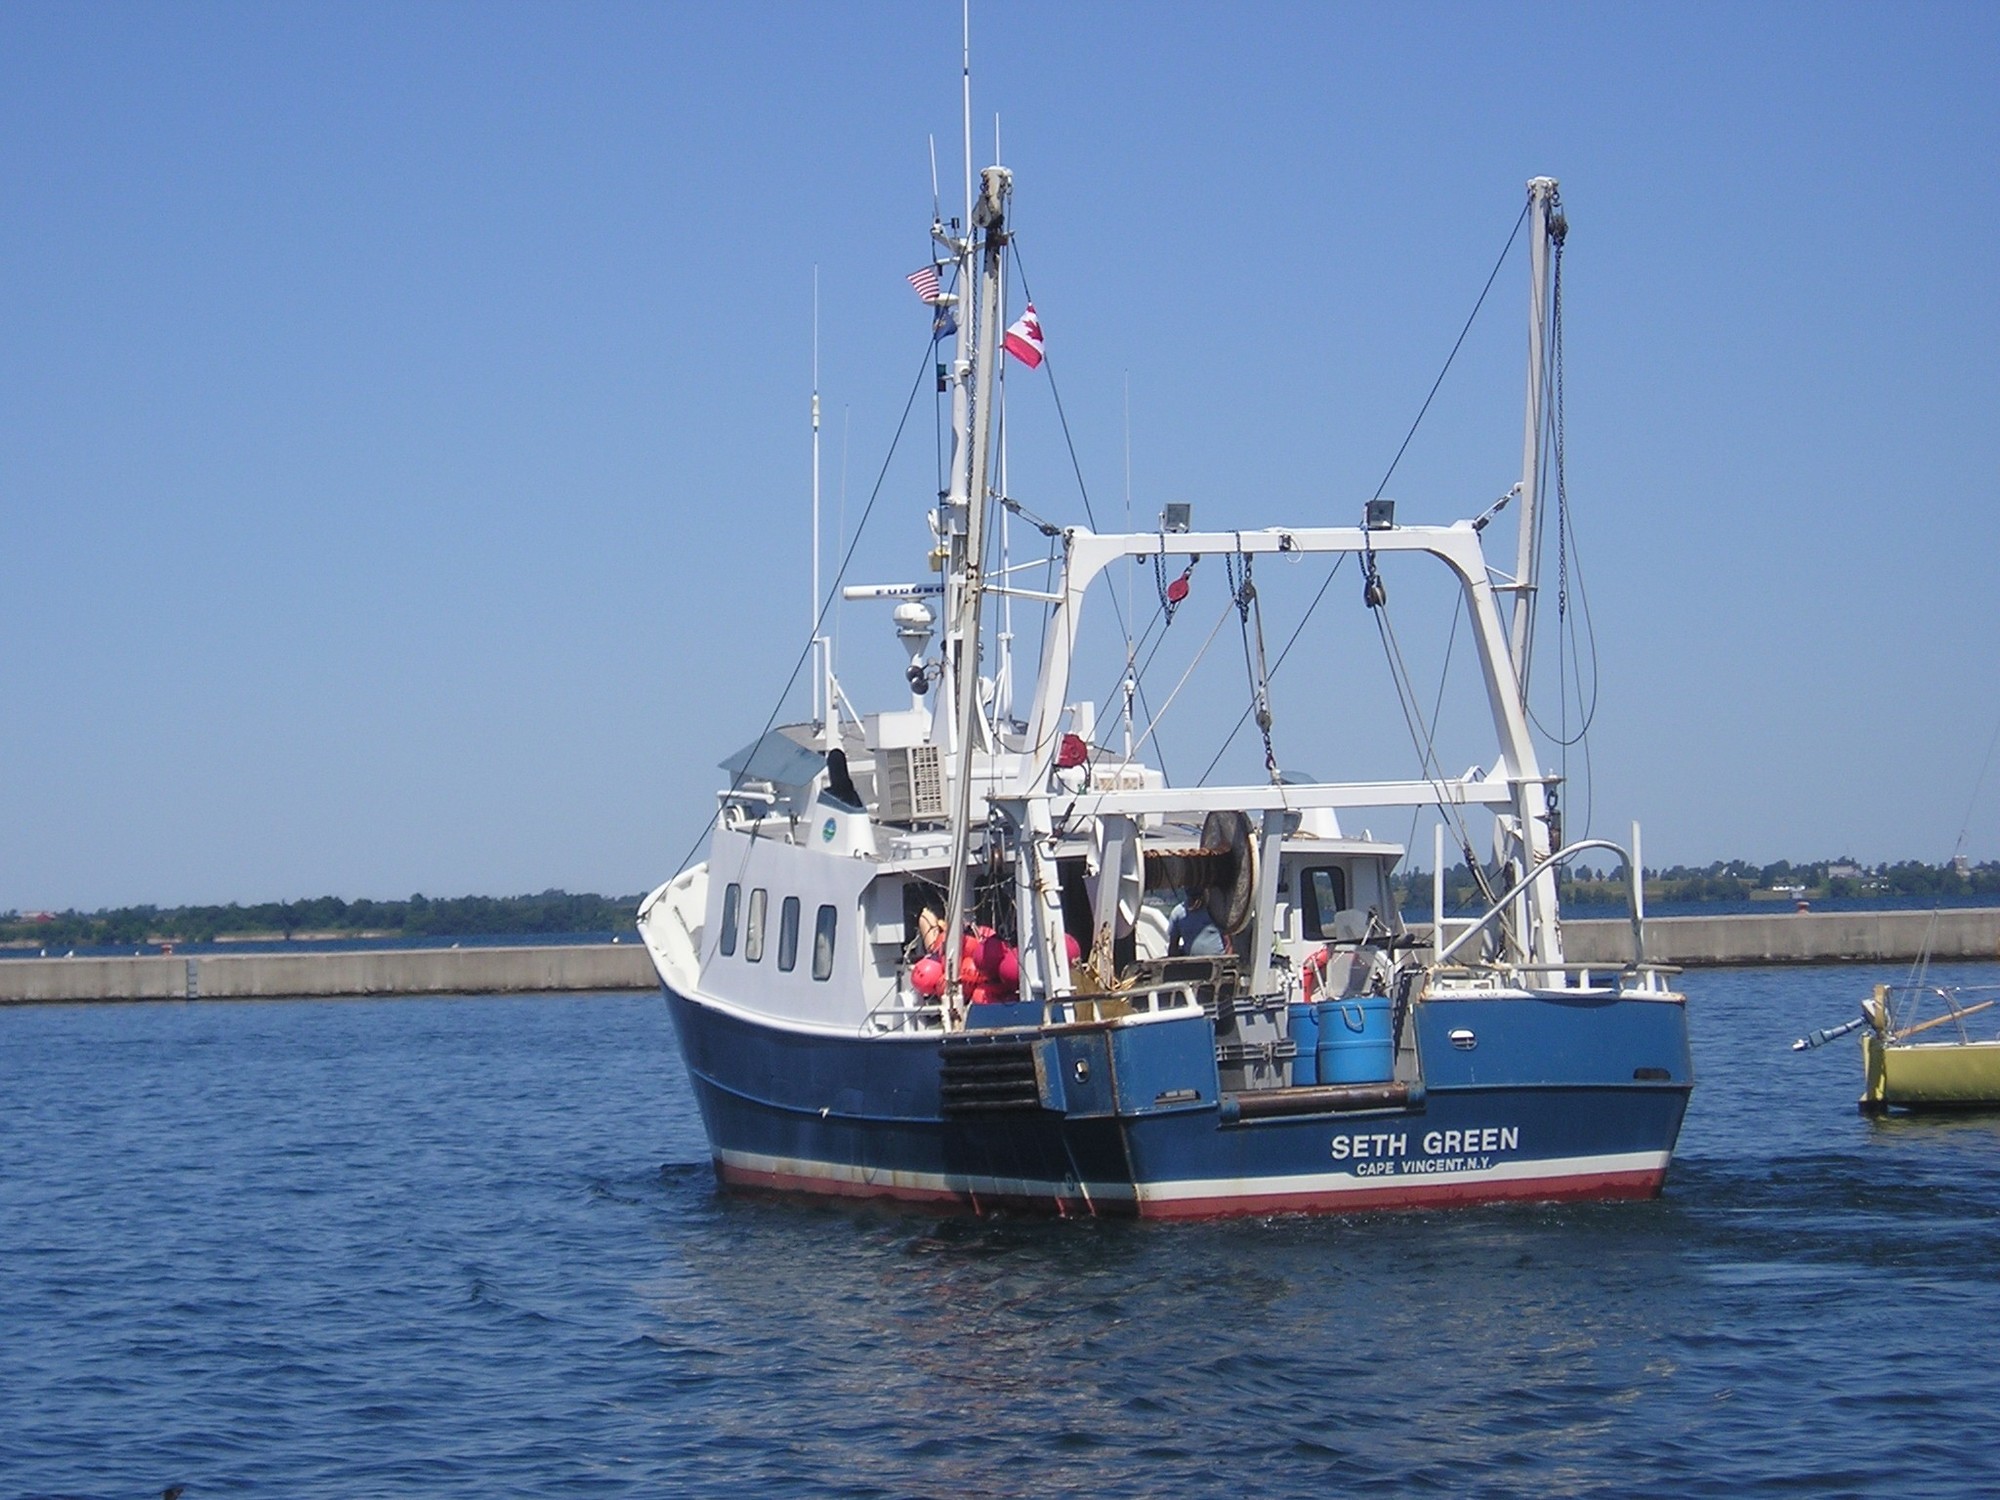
1544 198
1535 909
989 229
1003 666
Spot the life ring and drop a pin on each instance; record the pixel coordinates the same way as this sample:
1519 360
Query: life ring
1313 973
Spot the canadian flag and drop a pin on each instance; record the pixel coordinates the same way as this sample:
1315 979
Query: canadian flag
1024 338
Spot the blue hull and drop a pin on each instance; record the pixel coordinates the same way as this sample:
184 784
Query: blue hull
1556 1099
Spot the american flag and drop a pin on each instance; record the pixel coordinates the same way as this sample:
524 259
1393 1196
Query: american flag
926 283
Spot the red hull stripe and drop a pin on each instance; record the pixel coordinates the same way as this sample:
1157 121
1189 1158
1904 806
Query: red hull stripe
1555 1186
1578 1187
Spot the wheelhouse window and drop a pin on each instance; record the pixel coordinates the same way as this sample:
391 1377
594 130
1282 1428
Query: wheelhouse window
1322 895
823 935
731 899
788 934
753 927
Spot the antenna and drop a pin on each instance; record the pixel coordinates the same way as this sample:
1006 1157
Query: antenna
812 625
966 90
1131 682
937 209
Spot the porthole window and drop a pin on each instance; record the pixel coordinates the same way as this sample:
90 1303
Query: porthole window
823 934
788 934
731 899
753 927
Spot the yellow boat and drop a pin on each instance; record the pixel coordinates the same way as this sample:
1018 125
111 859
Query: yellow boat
1952 1071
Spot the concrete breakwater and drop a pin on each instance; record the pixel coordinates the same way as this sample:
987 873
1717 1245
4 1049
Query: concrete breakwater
252 976
1695 942
1830 937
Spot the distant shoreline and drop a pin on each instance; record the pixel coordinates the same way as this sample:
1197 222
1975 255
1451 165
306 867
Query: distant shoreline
156 940
608 962
1415 911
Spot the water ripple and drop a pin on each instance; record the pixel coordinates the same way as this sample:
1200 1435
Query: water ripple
474 1247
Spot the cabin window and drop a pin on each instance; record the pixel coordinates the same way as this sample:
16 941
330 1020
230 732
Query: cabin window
753 927
1322 894
788 934
731 899
823 931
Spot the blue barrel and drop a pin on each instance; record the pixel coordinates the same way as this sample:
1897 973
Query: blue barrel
1305 1037
1354 1044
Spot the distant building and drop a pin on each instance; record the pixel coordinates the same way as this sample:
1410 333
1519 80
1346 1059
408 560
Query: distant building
1843 872
1961 866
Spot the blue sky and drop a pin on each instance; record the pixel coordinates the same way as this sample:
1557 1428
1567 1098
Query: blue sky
403 451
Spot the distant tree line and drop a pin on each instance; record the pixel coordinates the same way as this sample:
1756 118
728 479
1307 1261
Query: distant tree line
420 916
562 912
1732 880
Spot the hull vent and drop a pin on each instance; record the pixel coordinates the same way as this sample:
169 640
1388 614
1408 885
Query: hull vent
987 1078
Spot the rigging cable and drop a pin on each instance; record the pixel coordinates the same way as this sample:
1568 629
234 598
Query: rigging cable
1153 719
1245 597
1572 654
737 779
1290 641
1076 466
1376 597
1921 968
1491 277
1437 708
1457 344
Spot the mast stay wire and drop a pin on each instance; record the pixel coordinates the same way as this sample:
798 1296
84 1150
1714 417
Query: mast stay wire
1437 708
833 592
1244 596
1387 474
1405 693
1920 971
1572 652
1492 276
1378 604
1577 645
1426 746
1076 466
1153 719
1291 641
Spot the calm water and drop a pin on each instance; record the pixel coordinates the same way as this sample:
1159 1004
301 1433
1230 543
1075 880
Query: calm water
472 1248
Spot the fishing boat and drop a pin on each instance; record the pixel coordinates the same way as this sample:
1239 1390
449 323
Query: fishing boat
976 950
